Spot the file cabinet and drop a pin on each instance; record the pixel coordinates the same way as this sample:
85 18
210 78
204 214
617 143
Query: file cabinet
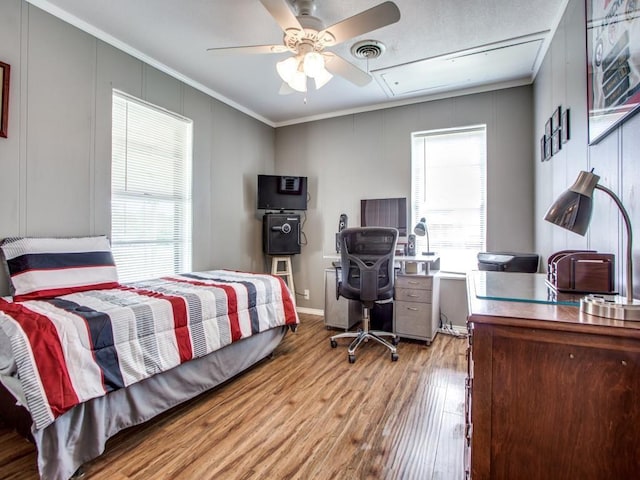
416 310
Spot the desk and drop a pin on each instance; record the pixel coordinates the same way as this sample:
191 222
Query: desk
416 309
551 392
428 263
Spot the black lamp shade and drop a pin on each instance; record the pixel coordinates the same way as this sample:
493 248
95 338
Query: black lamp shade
421 227
572 211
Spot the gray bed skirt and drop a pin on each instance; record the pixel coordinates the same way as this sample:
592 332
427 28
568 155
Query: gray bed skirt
80 434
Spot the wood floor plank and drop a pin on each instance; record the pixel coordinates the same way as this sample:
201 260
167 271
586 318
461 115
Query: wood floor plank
305 413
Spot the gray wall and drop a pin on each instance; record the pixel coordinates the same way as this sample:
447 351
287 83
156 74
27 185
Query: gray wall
56 161
562 80
368 155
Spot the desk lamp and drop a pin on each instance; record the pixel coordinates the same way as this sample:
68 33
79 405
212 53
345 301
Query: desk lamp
572 210
421 230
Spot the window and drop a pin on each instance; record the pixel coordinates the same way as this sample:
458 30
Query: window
150 190
448 185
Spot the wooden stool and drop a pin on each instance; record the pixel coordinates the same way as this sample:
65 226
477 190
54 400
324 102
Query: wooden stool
286 272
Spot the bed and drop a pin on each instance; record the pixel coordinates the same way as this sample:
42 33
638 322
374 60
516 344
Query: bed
83 357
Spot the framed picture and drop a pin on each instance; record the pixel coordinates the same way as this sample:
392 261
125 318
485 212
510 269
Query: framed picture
556 143
555 119
613 64
543 148
4 98
565 135
548 128
547 147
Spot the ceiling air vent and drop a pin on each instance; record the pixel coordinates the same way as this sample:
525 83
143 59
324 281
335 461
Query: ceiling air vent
367 49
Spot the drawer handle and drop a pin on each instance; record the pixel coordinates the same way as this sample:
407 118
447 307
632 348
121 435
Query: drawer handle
412 295
413 309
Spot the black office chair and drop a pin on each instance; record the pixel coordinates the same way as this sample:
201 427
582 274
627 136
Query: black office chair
367 275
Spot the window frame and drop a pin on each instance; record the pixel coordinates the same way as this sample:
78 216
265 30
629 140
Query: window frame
458 254
162 195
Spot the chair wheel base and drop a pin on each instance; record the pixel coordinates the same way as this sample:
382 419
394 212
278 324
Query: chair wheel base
352 359
334 344
394 357
395 341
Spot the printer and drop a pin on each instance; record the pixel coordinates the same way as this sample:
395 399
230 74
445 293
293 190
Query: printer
508 262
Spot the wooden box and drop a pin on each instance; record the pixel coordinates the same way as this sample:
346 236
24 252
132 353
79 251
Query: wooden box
582 271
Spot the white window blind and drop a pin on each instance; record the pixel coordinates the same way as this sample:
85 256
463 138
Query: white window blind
150 190
448 189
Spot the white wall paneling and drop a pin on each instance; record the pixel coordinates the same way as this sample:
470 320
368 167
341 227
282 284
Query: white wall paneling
368 155
57 160
562 81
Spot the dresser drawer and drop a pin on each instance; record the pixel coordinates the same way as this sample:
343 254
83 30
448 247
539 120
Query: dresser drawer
412 318
411 295
414 282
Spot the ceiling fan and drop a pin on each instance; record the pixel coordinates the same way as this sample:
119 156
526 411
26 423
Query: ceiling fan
306 37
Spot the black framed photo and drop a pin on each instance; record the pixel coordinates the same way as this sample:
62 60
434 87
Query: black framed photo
555 119
556 143
565 134
547 147
548 128
613 63
543 148
5 69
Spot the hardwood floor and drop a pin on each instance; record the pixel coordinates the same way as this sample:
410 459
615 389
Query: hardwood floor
305 414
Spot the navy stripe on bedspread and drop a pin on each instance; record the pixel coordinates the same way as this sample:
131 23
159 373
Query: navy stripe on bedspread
251 293
102 341
46 261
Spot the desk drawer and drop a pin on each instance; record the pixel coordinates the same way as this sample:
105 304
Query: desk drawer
411 295
412 318
414 282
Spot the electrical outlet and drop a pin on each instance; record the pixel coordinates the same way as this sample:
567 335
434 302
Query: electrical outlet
306 294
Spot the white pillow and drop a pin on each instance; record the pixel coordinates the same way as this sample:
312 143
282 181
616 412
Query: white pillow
49 267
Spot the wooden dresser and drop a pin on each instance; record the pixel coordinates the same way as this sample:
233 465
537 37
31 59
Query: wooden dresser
552 393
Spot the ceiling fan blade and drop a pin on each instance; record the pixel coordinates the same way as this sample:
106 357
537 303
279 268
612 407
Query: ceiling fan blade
250 49
281 12
339 66
376 17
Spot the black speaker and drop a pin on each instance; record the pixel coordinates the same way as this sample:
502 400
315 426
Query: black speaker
281 234
342 224
411 245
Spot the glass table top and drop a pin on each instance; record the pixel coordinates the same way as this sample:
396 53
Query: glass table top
520 287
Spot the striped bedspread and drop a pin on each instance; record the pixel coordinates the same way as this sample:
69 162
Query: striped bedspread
72 348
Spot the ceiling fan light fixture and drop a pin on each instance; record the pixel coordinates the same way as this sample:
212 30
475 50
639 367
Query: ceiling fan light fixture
322 78
287 68
313 64
304 34
298 81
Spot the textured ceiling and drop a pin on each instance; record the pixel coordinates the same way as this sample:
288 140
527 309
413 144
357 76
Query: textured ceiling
457 46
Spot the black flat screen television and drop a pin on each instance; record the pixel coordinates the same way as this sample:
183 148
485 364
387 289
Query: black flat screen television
384 212
282 192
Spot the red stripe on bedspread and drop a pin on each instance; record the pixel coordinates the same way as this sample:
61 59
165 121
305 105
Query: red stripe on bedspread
47 352
291 317
180 320
232 303
58 292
